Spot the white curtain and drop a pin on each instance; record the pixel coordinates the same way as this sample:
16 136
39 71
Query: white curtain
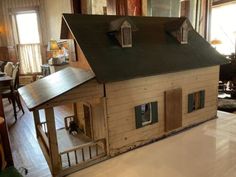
30 58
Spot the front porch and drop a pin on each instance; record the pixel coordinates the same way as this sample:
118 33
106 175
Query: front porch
66 152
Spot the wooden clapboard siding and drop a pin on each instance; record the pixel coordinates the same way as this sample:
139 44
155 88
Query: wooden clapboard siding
98 119
98 122
90 92
80 61
123 96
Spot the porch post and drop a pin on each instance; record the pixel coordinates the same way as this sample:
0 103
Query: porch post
52 138
36 121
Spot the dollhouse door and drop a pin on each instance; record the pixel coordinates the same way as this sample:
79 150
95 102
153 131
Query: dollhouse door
87 118
173 109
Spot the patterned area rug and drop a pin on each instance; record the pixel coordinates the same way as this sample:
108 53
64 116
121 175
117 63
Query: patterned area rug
227 104
10 172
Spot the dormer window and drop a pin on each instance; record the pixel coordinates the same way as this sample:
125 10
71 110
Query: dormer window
184 34
126 35
179 29
122 29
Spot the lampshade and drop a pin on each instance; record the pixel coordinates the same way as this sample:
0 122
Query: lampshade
216 42
52 45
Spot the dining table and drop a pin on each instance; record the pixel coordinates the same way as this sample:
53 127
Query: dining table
5 80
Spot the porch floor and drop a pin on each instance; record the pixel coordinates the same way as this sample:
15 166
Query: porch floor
67 141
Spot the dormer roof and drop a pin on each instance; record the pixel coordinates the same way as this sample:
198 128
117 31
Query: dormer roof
176 24
116 24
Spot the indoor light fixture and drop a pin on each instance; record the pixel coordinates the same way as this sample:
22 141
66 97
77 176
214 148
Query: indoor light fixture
53 47
216 42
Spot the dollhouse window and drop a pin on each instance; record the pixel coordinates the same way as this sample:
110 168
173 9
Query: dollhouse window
126 35
122 29
196 101
184 36
179 29
146 114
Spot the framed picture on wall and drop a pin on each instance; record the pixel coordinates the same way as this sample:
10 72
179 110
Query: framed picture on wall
67 48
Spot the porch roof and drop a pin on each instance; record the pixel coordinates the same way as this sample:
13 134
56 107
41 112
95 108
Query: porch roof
55 85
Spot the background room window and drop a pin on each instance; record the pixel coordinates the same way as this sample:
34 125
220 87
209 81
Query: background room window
28 37
223 28
196 101
27 25
146 114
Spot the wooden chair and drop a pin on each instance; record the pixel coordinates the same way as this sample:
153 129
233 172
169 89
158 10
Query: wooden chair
12 94
8 69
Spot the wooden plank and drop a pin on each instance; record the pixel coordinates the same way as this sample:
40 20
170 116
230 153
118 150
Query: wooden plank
98 120
155 88
87 119
43 90
195 74
106 125
75 113
36 121
78 167
53 145
92 143
91 91
43 136
173 109
122 97
5 136
45 153
81 62
126 123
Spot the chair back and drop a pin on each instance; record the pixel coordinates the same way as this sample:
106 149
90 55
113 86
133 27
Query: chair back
8 69
15 77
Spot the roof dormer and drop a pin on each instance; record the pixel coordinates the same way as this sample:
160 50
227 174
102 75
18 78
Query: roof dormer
179 29
122 29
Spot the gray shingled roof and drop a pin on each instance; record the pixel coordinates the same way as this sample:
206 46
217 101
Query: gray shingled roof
174 25
154 51
116 24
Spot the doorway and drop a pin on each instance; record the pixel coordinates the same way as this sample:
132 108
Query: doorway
173 109
87 120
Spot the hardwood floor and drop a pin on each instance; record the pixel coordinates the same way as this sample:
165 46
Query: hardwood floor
25 149
209 147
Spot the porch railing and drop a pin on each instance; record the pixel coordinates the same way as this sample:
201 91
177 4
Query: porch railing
83 153
42 129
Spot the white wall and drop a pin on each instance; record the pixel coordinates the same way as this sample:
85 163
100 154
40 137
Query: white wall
53 13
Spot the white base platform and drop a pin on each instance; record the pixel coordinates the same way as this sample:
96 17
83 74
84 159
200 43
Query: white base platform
208 150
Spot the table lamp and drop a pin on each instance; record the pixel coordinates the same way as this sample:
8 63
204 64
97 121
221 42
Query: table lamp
54 48
216 42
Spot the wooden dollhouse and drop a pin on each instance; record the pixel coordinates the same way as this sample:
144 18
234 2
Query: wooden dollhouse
135 80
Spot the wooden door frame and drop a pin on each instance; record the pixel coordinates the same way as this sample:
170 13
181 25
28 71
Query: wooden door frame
167 128
90 118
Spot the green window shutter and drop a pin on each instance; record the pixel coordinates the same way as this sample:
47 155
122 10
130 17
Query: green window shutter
154 112
138 117
190 102
202 98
